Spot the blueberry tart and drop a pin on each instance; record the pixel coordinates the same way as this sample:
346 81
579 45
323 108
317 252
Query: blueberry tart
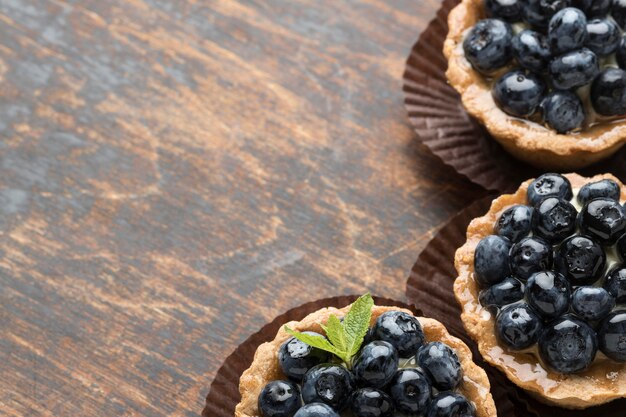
547 78
364 361
542 286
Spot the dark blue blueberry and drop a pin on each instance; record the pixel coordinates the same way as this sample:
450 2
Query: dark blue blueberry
612 336
518 326
621 247
603 219
329 384
504 293
531 49
608 92
441 365
410 390
592 303
296 357
450 404
618 12
599 8
581 260
549 185
316 410
491 260
555 219
567 30
604 36
530 255
370 402
548 294
509 10
400 329
568 345
279 399
574 69
488 45
615 284
515 222
620 53
518 93
539 12
376 364
603 188
563 111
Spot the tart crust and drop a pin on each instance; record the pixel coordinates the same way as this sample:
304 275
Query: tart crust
603 381
526 140
265 368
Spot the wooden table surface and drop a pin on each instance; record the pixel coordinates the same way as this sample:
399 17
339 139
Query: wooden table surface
176 173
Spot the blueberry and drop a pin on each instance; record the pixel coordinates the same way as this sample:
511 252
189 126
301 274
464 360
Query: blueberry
279 399
555 219
615 284
574 69
518 93
604 36
599 8
316 410
608 92
491 260
370 402
539 12
567 30
581 260
509 10
296 357
530 255
376 364
548 294
504 293
620 53
400 329
515 222
531 50
603 219
618 12
329 384
563 111
410 390
603 188
592 303
518 326
621 247
549 185
441 365
450 404
612 336
488 45
568 345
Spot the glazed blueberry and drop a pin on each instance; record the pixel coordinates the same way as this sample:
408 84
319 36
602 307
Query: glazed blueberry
568 345
615 284
370 402
296 357
531 50
400 329
603 219
279 399
539 12
620 53
491 260
518 326
549 185
504 293
515 222
329 384
612 336
567 30
574 69
509 10
555 219
530 255
592 303
604 36
519 93
488 45
608 92
599 189
410 390
581 260
376 364
618 12
316 410
621 247
563 111
548 294
441 365
450 404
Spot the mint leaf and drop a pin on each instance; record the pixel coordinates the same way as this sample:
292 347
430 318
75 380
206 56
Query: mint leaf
356 323
335 333
319 342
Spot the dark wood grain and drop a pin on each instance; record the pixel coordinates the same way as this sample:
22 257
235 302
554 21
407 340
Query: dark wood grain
176 173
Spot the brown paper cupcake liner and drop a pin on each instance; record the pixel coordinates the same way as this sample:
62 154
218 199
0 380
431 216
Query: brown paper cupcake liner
430 286
442 124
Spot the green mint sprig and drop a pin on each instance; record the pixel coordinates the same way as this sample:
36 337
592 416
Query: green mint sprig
343 339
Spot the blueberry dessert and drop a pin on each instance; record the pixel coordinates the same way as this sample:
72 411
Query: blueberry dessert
364 361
